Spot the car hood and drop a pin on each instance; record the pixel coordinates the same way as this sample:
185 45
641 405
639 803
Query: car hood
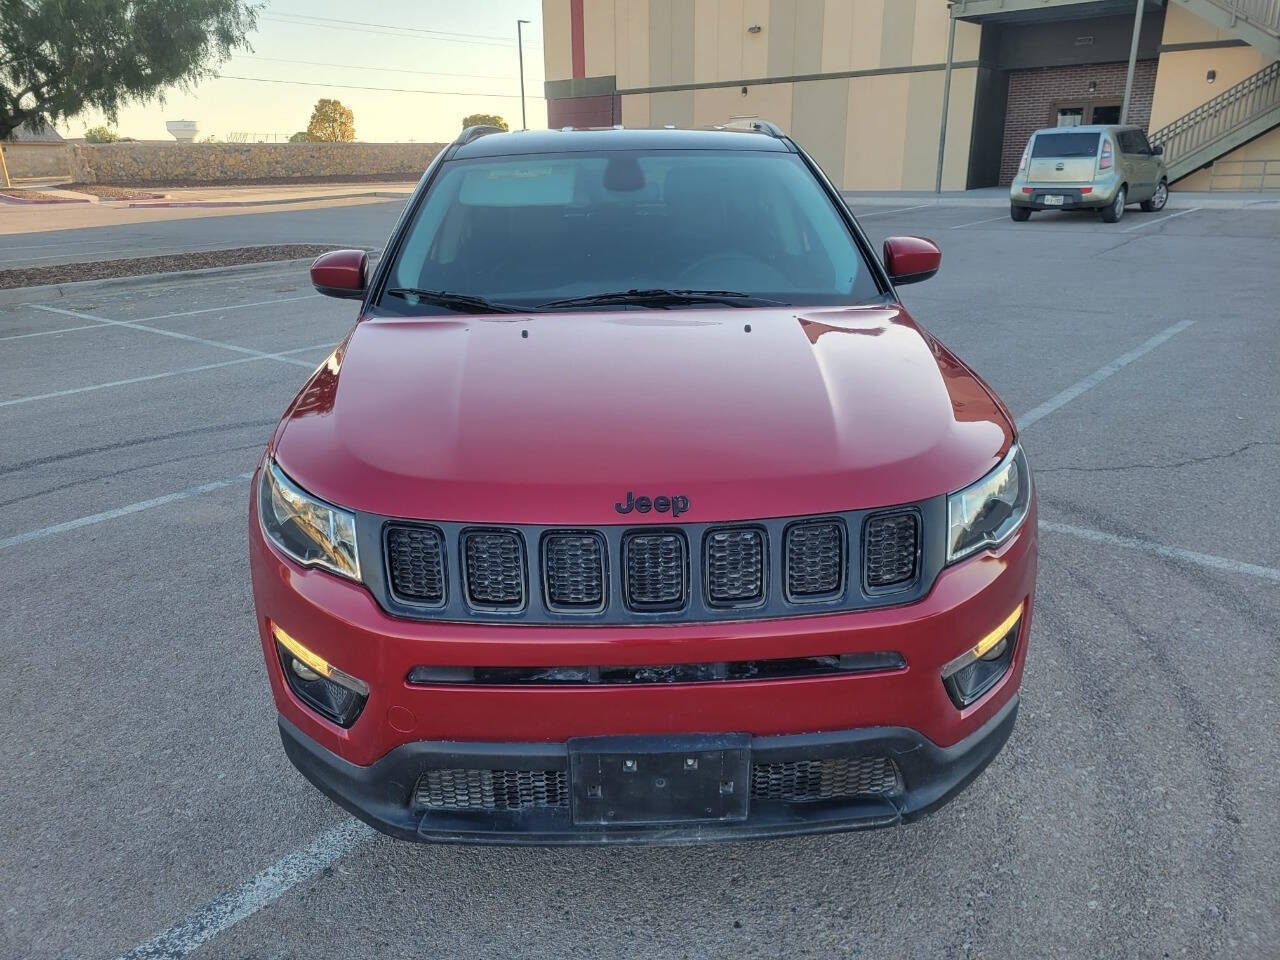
554 418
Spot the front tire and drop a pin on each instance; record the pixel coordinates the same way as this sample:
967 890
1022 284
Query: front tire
1019 214
1116 210
1158 199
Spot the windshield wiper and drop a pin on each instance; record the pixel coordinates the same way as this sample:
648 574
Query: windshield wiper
454 301
661 298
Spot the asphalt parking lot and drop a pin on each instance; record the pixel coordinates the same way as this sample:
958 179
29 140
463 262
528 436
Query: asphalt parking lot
150 808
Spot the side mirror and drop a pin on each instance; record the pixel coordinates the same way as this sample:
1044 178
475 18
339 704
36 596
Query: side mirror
1157 150
911 259
340 273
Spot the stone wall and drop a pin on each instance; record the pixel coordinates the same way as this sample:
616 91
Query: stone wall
26 160
198 163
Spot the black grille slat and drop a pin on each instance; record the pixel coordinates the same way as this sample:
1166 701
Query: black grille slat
479 789
573 569
805 781
415 563
493 571
890 547
657 571
815 559
734 563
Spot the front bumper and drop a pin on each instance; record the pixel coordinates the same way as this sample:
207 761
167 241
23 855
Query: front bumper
371 767
380 794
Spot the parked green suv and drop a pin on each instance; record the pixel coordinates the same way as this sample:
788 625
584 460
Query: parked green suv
1089 168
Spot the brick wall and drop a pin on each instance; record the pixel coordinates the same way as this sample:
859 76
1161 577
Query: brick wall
601 111
195 163
1032 94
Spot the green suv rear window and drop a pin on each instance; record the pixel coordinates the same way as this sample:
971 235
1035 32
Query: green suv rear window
1065 145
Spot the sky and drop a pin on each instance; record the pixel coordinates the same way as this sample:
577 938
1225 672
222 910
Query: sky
462 48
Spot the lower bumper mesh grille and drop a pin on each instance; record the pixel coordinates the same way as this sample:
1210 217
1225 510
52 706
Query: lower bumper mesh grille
797 781
470 789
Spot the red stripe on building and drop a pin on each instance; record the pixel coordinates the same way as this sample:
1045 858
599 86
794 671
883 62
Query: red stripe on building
578 41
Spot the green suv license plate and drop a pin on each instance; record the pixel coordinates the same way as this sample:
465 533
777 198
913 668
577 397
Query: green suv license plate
616 781
1054 199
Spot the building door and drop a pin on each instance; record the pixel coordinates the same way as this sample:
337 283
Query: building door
1080 112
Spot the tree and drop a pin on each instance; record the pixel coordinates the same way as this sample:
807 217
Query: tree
59 59
100 135
300 137
331 122
484 120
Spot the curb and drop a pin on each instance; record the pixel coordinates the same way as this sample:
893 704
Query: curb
382 194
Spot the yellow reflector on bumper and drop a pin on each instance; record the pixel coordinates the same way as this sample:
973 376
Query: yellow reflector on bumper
318 663
995 636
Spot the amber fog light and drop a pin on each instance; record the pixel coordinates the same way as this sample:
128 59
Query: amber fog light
333 694
980 668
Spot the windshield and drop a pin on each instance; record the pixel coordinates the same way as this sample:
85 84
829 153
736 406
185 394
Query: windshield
531 230
1065 145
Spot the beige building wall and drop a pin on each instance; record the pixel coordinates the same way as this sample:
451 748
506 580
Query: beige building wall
1182 77
557 51
1255 166
875 129
1182 85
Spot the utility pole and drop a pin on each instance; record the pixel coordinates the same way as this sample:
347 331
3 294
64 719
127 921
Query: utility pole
524 120
946 102
1133 58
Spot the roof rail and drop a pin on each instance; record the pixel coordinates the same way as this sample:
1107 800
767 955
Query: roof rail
476 132
756 124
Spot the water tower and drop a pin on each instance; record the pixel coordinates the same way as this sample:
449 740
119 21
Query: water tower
184 131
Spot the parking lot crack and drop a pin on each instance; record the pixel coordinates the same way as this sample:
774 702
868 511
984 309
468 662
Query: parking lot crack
1167 465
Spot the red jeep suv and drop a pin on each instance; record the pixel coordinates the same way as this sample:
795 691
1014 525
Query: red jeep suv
635 508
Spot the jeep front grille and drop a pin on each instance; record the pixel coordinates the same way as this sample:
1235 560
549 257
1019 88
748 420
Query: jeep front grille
670 573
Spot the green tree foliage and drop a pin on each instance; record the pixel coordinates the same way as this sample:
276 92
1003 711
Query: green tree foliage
100 135
331 122
300 137
484 120
61 57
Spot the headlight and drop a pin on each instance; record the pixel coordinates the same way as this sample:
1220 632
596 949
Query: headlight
311 531
986 513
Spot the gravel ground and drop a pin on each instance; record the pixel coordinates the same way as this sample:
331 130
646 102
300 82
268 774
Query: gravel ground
262 181
115 193
19 193
136 266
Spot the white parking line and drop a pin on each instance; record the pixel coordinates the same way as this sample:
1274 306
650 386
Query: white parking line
885 213
1148 223
124 511
1095 378
959 226
254 894
1160 550
101 324
164 375
191 338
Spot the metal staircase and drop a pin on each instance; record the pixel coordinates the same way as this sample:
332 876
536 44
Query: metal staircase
1257 22
1234 117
